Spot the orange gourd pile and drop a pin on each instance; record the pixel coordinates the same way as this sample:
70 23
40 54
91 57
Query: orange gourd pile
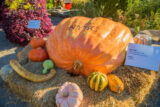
37 54
82 45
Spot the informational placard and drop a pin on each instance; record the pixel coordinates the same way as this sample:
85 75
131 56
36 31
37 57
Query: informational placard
143 56
34 24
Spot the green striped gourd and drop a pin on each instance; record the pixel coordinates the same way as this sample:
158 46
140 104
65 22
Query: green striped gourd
97 81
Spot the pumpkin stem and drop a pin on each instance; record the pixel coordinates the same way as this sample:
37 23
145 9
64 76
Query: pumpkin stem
77 65
44 71
65 94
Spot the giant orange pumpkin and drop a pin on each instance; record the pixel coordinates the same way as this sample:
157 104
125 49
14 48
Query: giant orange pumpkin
83 45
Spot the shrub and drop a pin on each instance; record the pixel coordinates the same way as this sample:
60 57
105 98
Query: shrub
100 8
142 13
50 4
15 17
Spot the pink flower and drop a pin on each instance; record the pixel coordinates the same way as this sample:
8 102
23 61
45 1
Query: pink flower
15 22
21 30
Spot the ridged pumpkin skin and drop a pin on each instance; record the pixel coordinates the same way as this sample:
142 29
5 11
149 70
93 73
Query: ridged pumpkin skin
115 83
69 95
82 45
37 55
37 42
97 81
142 39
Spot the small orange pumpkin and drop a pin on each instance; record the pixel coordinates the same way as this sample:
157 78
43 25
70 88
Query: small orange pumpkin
115 83
37 42
142 39
38 55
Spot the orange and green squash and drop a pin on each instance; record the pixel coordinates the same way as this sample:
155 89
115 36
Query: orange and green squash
97 81
115 83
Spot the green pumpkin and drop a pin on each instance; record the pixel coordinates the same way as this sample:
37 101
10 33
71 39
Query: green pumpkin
97 81
47 64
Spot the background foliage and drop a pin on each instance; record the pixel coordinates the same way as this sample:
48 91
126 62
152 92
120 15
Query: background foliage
50 4
143 14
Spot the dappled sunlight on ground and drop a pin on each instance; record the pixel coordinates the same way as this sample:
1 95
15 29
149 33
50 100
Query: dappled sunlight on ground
7 52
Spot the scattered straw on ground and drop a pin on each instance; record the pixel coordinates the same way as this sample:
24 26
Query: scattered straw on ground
138 83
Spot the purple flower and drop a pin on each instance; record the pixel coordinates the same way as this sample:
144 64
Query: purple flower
21 30
15 22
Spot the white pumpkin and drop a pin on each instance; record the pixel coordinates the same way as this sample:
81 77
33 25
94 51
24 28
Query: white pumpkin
69 95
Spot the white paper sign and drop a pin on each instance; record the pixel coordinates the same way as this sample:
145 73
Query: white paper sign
143 56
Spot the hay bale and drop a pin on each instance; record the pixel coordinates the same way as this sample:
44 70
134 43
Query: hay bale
138 83
5 71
